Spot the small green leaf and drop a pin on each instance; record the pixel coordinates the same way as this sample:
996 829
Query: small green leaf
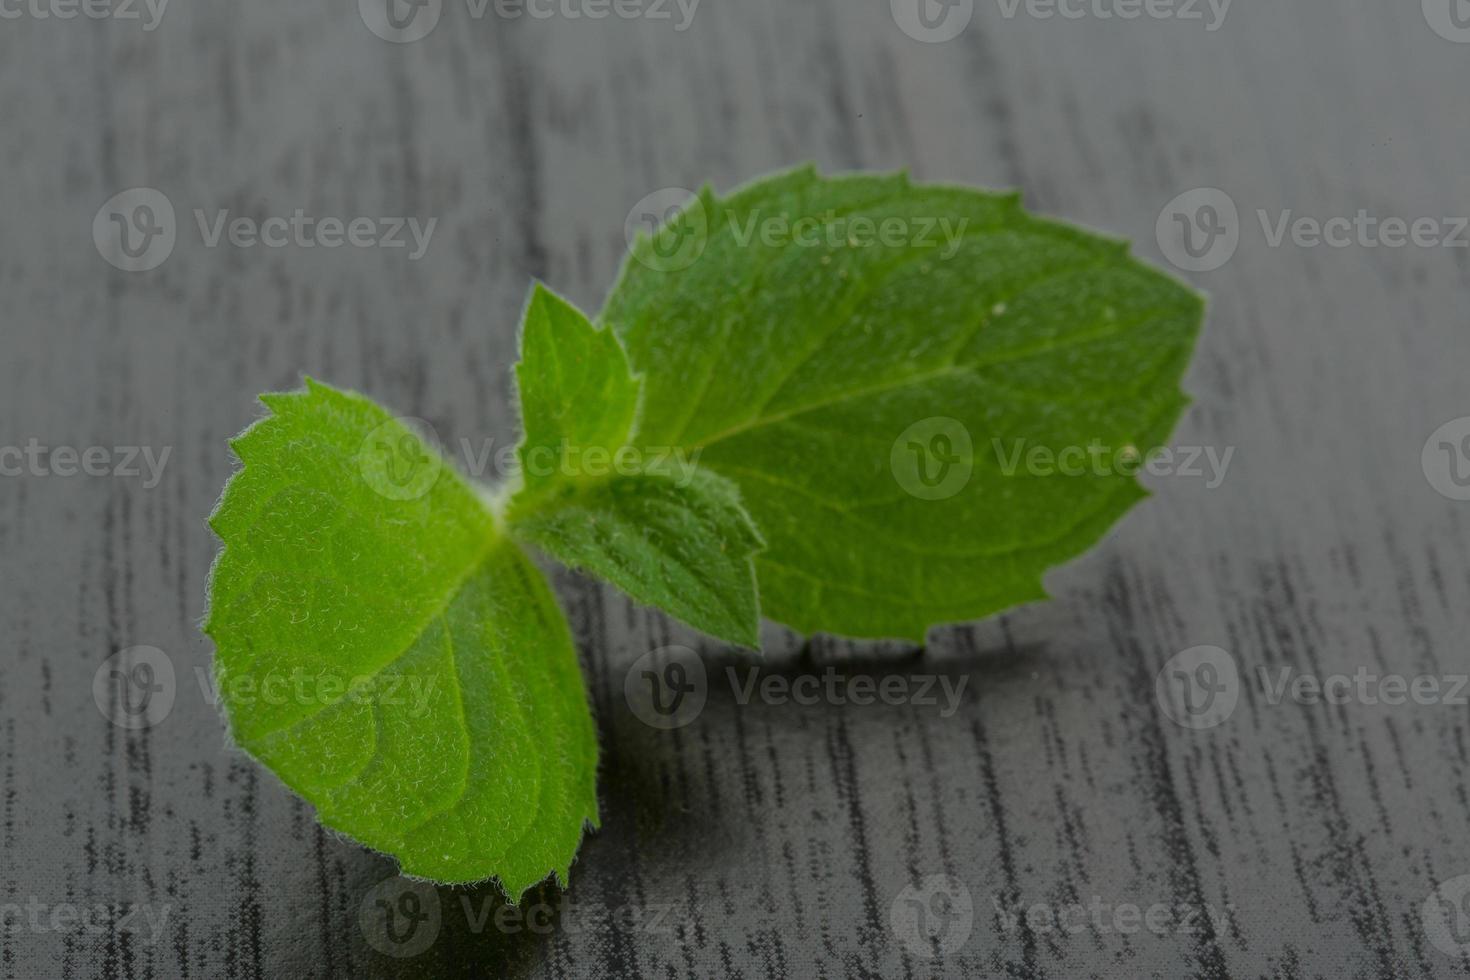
863 357
576 394
645 519
391 655
679 541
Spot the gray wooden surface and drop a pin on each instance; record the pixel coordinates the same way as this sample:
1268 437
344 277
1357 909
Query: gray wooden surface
761 840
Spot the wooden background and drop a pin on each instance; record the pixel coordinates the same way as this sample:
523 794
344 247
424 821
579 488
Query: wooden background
761 841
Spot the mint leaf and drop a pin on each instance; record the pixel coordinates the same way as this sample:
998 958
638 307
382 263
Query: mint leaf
643 518
679 541
391 655
864 356
577 394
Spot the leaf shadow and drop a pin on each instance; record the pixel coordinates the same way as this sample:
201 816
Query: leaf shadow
687 803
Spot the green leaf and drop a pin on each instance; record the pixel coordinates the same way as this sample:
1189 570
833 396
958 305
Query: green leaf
576 390
645 519
391 655
862 356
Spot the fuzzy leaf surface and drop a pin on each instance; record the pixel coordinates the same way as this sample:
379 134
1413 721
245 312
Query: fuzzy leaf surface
646 519
391 655
863 356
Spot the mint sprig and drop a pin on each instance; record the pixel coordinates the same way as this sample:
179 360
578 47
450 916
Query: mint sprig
797 400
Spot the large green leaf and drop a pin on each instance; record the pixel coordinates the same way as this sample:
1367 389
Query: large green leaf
391 655
646 519
863 355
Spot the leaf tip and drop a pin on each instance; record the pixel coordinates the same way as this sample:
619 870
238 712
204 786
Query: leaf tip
319 388
277 401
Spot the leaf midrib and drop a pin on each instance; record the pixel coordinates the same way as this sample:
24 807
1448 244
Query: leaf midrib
493 540
951 367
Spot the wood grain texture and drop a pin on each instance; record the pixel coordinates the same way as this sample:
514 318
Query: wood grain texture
763 840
